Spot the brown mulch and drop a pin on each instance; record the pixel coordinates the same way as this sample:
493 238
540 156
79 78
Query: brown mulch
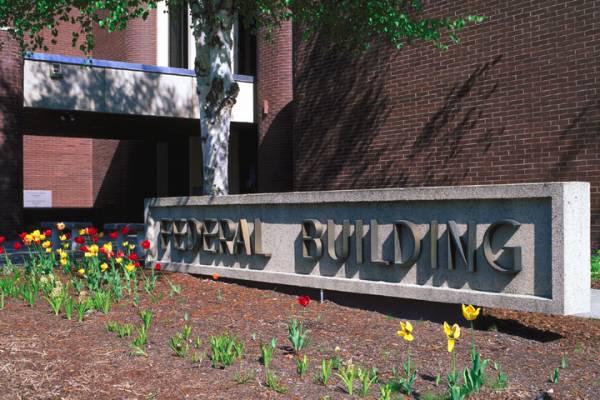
596 284
47 357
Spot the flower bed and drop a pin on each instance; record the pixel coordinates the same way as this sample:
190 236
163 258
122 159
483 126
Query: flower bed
171 336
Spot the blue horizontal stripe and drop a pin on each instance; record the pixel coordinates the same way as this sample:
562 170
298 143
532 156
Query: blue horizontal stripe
57 58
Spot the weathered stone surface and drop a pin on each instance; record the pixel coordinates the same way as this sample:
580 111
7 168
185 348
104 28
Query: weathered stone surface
551 228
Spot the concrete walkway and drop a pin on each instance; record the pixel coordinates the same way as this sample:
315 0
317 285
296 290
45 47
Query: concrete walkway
595 311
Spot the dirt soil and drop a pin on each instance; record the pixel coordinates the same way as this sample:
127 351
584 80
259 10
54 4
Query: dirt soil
43 356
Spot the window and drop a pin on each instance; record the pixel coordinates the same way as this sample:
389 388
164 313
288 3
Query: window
178 36
245 50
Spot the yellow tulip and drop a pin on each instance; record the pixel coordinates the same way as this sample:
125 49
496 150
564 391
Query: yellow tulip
108 247
92 251
470 313
131 246
62 238
63 261
82 232
104 267
130 267
46 244
48 250
405 331
118 260
452 333
125 244
60 226
81 271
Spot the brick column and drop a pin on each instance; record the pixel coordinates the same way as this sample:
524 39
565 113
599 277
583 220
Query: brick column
11 138
274 101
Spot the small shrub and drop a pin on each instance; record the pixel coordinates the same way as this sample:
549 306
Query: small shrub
348 375
102 301
596 265
366 377
174 289
141 338
474 377
82 306
266 352
122 330
297 335
325 372
273 383
179 345
241 378
197 357
55 300
186 332
224 350
146 317
301 365
501 381
385 392
69 306
28 293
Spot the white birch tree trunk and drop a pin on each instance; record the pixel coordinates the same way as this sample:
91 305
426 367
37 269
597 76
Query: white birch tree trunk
212 23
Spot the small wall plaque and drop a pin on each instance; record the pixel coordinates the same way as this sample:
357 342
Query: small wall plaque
37 198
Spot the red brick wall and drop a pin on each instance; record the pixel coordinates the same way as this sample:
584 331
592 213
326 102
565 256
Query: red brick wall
517 102
274 86
63 165
135 44
11 141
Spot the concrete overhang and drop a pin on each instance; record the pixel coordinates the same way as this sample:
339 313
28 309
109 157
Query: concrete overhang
57 82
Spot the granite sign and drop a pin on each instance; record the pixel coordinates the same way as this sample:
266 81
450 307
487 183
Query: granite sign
514 246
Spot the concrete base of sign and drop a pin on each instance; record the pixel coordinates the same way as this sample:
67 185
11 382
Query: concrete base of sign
524 247
595 308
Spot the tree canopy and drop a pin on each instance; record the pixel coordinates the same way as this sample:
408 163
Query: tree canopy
345 21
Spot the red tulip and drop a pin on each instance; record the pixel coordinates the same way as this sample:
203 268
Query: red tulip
125 230
1 250
157 267
137 263
84 249
22 235
304 301
133 256
2 239
92 231
146 244
48 233
113 235
120 254
80 240
16 245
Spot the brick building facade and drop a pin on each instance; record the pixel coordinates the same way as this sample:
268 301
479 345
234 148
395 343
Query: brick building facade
517 101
